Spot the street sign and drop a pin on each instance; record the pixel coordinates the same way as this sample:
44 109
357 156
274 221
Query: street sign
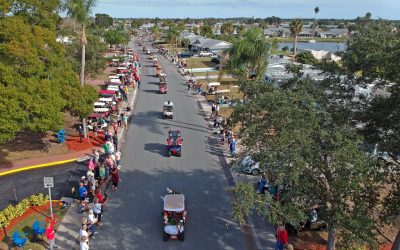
48 182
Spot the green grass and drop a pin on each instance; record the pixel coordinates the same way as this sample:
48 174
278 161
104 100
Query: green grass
205 73
200 62
25 226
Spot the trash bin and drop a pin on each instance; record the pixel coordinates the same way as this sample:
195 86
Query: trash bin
61 136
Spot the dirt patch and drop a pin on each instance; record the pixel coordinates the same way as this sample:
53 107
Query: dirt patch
30 145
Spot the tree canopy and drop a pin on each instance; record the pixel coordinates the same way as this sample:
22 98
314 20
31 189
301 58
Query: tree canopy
37 83
116 36
103 20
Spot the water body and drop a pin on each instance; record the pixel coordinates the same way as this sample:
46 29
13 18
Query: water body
328 46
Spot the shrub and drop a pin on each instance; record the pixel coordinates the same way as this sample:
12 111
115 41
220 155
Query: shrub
285 48
9 212
3 220
38 200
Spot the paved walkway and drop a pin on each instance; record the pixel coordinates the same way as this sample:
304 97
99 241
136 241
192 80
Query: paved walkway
68 231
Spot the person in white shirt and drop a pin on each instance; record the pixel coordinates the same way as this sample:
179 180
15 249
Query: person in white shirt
92 221
84 244
83 232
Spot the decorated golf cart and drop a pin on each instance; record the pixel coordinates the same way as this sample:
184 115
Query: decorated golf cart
174 143
163 87
174 216
168 110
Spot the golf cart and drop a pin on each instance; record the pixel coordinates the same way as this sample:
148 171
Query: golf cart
168 110
174 143
163 88
174 216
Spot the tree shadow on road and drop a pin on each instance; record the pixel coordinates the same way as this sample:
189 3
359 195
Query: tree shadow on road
157 148
133 217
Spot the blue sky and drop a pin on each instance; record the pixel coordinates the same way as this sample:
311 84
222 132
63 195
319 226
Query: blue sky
388 9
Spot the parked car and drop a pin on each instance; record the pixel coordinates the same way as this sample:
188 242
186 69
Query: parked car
205 53
250 166
185 54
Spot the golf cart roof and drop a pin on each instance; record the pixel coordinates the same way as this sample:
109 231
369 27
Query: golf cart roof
214 84
171 104
174 202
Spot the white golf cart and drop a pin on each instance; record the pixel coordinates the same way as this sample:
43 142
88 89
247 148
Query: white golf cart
174 216
168 110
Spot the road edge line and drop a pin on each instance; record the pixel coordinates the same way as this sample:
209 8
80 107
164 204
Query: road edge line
44 165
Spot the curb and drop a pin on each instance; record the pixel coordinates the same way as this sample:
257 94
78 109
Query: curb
44 165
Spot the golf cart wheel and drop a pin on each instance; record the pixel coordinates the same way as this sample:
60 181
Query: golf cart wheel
165 236
255 172
182 236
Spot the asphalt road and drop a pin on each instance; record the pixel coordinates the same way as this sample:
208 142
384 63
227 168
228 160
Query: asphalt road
18 186
132 219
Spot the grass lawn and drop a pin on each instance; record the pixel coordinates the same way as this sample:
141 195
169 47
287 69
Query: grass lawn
200 62
25 226
226 83
205 73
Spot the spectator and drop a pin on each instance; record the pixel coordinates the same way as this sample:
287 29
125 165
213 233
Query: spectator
80 131
115 141
281 237
115 179
91 222
119 120
50 234
118 159
83 232
82 192
232 147
95 130
125 121
84 243
98 210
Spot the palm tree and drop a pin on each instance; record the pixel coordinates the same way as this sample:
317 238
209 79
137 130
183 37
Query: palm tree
80 10
227 28
316 11
173 35
155 32
248 56
295 28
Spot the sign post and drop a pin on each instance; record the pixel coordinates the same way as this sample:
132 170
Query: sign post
49 183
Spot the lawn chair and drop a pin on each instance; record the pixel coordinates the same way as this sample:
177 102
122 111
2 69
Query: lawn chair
19 239
38 230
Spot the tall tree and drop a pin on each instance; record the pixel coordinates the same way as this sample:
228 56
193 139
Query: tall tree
316 11
227 28
315 159
173 35
155 32
296 26
37 82
116 36
103 20
80 10
136 23
206 30
248 56
95 61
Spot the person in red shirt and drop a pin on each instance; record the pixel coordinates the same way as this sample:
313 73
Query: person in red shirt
50 234
115 179
281 237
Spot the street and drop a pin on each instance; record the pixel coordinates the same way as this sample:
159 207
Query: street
132 219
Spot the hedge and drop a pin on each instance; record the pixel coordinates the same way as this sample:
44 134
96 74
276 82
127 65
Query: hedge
11 212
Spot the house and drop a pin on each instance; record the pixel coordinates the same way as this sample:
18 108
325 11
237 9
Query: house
334 33
277 32
208 44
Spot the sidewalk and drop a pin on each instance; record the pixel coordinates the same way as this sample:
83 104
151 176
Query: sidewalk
67 236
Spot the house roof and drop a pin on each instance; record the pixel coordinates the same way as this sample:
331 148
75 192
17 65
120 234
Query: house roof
208 43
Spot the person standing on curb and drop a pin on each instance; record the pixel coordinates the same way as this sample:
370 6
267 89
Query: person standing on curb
50 234
125 120
80 131
232 147
281 237
115 141
84 243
